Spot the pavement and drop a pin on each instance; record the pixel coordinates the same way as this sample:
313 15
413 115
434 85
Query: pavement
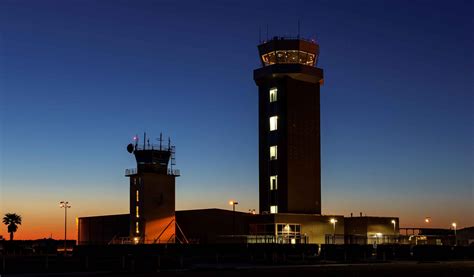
419 269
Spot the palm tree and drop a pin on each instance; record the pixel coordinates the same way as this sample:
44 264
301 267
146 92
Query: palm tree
12 221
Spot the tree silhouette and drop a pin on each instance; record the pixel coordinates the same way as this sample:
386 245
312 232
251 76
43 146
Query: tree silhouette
12 221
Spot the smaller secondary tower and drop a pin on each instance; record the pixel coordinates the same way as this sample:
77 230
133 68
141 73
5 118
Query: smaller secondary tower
152 191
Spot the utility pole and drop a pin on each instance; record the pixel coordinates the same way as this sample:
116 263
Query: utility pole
65 205
233 203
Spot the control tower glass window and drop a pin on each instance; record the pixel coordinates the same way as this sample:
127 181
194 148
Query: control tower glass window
274 209
288 56
273 152
273 94
274 182
273 123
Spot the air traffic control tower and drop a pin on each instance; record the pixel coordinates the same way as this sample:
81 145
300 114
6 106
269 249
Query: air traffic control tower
152 192
289 126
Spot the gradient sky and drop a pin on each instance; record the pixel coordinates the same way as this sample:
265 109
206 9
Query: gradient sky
79 78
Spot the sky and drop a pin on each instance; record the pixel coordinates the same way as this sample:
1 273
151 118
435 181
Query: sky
78 79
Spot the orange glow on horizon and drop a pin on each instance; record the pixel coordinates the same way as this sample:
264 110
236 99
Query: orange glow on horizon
44 219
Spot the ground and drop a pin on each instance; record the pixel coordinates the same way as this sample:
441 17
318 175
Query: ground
459 268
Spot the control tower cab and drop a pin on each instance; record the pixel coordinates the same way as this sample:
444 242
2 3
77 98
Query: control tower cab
152 192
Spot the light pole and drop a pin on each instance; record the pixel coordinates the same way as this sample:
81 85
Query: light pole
333 221
233 203
455 238
394 222
65 205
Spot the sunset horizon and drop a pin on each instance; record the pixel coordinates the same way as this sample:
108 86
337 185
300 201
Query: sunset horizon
80 81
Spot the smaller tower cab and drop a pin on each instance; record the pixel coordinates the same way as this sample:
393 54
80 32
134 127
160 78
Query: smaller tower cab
152 191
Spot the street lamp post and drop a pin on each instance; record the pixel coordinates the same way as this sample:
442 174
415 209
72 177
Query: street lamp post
233 203
455 237
333 221
394 222
65 205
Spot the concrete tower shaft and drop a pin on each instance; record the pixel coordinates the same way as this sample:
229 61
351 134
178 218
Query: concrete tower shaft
289 126
152 192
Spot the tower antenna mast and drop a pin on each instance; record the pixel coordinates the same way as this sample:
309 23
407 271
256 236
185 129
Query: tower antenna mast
259 34
298 29
161 139
267 31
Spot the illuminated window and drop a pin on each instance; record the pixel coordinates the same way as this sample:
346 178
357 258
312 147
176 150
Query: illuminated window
273 123
281 56
310 59
269 58
137 229
274 209
289 56
137 211
273 94
273 152
274 182
138 196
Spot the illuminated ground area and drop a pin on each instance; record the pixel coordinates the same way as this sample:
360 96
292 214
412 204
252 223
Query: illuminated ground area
459 268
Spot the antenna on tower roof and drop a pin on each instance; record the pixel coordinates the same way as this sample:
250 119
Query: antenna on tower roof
161 139
259 34
135 138
298 29
267 32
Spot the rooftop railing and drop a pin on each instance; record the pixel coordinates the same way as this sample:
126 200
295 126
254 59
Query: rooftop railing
170 171
163 147
130 171
312 40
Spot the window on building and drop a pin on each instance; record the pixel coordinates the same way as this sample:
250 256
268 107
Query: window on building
274 182
273 152
137 229
273 94
289 56
273 123
274 209
137 211
135 181
137 196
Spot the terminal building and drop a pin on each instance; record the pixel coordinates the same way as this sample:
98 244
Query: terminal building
289 83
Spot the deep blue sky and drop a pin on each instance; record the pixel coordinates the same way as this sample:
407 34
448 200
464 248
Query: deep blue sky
79 78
